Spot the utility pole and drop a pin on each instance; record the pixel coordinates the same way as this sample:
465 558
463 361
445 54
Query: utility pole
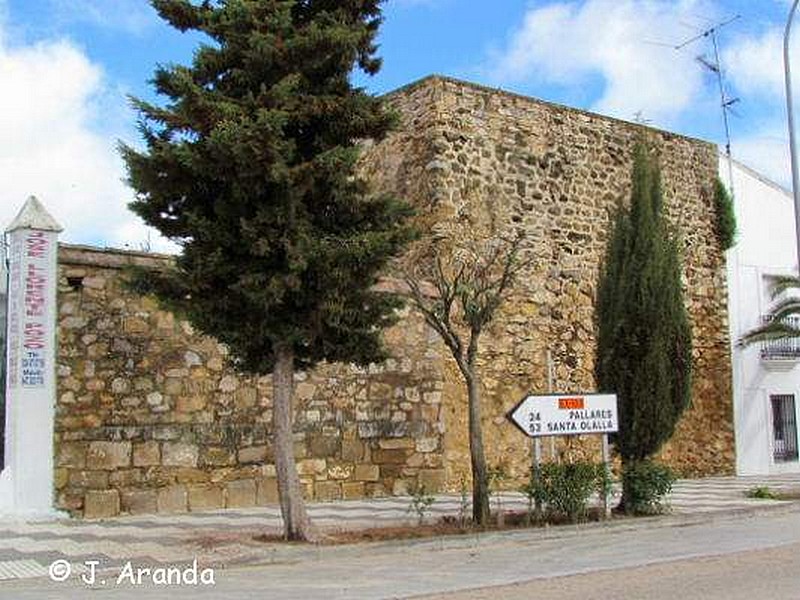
790 113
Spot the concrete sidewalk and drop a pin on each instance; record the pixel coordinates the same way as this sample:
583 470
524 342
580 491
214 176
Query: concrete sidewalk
224 538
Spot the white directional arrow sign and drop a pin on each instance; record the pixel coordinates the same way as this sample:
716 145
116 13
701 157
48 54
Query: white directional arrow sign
568 414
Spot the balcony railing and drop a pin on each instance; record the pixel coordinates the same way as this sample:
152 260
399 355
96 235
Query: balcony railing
782 349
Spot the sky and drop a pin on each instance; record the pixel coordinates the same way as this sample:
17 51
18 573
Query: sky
67 68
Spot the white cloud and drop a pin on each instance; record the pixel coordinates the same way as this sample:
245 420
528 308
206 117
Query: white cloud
754 68
627 43
56 144
755 64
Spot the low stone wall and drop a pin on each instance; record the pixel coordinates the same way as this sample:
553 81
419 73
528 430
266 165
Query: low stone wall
151 419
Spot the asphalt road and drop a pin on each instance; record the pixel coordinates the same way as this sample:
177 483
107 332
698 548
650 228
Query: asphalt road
772 574
742 557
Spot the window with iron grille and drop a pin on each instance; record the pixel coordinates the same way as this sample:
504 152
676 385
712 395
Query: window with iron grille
784 428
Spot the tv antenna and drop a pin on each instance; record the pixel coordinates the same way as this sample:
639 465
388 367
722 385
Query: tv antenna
714 66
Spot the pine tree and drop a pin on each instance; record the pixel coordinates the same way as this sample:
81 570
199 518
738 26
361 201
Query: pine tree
250 167
644 337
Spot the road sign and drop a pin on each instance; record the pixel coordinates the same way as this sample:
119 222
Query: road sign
566 414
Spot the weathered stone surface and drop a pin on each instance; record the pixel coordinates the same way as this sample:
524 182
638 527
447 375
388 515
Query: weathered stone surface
367 473
241 493
139 502
97 480
396 457
324 445
205 497
61 477
101 504
178 454
218 456
172 499
267 491
71 454
252 454
352 490
313 466
433 479
325 491
108 455
146 454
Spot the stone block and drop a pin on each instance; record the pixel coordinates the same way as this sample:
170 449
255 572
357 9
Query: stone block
245 398
179 454
190 404
70 501
322 446
396 444
158 476
60 477
190 475
241 493
172 499
71 454
267 491
325 491
101 504
390 457
312 466
401 487
427 444
126 478
367 473
352 490
253 454
205 497
95 480
352 450
218 456
139 502
340 471
432 479
108 455
146 454
374 490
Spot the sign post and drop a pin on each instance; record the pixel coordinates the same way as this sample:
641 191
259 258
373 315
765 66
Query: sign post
26 482
567 414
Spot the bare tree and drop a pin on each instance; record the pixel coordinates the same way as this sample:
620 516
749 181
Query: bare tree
459 294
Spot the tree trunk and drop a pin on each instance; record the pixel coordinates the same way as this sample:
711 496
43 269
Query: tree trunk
296 524
480 476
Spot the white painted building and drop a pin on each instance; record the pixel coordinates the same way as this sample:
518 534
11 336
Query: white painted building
766 377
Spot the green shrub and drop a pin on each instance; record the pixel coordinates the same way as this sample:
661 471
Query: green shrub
726 217
761 492
421 502
564 489
645 484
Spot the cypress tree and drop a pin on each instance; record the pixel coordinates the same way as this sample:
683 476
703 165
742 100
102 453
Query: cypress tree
643 332
250 166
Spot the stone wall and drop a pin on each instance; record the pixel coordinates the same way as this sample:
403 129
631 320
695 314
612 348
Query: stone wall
151 419
477 161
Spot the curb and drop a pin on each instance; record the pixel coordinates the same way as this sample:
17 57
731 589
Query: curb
283 554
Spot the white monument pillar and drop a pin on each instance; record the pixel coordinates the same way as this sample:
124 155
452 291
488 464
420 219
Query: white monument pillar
26 483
